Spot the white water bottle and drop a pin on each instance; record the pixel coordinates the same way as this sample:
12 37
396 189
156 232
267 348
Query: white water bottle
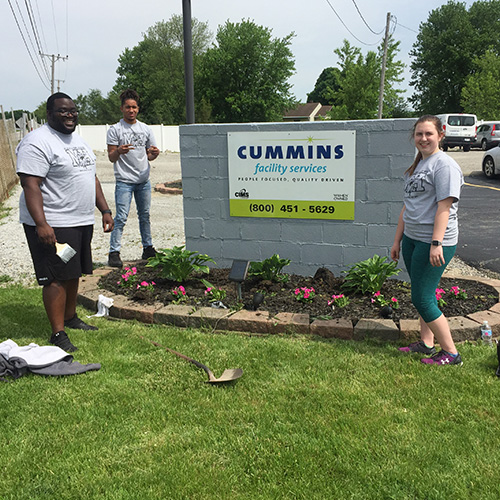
486 334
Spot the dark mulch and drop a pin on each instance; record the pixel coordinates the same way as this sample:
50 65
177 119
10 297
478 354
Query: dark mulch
280 297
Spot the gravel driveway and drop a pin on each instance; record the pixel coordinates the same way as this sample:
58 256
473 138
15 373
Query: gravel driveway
167 222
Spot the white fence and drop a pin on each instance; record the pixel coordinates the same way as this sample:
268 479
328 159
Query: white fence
167 136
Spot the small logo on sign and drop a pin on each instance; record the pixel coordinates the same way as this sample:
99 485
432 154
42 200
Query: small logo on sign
243 193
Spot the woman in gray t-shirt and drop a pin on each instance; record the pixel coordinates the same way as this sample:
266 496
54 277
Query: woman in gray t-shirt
427 234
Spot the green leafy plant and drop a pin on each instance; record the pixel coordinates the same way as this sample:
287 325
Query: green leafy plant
145 285
178 264
128 278
304 294
179 294
459 293
381 301
270 269
214 294
339 301
440 292
369 275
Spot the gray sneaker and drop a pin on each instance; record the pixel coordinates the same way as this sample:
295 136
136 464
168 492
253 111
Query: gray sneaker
419 347
114 259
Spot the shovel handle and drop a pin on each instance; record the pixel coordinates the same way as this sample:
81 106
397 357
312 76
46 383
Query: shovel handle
196 363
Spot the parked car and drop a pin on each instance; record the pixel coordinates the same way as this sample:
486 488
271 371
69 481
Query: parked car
491 162
487 135
459 130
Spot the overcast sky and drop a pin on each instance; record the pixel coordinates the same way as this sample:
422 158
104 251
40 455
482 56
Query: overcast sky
94 33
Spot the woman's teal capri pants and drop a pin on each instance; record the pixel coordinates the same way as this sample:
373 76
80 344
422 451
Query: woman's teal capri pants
423 276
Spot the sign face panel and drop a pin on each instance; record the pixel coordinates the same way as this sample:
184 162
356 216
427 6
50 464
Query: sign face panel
293 175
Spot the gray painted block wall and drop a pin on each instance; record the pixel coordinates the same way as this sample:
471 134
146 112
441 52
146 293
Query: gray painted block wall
383 152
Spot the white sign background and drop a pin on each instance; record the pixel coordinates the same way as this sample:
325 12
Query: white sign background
312 177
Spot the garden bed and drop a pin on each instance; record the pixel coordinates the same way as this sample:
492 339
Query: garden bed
281 297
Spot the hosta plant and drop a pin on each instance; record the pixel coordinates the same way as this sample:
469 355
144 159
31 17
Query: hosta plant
269 269
178 264
369 275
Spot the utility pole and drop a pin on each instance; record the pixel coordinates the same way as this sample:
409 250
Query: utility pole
53 59
382 73
188 60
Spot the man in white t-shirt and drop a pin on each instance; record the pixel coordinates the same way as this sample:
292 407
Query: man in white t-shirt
131 146
57 169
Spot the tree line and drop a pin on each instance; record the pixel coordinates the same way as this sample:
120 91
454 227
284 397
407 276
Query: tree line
242 74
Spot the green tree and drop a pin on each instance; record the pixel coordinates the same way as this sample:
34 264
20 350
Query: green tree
17 113
481 93
245 75
326 85
446 52
357 95
41 112
155 69
95 109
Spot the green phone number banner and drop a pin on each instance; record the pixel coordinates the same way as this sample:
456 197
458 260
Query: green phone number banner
293 175
292 209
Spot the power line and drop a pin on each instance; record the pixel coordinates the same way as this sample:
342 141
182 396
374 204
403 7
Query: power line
55 26
363 19
402 26
41 63
26 45
29 10
34 27
345 26
41 25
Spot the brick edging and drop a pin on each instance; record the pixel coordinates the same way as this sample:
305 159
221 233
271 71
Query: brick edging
463 328
165 189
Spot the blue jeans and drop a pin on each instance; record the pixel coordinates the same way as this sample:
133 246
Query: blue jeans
123 199
423 276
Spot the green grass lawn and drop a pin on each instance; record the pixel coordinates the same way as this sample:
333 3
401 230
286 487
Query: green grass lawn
309 419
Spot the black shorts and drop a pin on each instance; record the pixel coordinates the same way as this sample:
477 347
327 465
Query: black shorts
48 266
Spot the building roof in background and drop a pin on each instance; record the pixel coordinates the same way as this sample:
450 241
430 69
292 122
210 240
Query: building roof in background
307 112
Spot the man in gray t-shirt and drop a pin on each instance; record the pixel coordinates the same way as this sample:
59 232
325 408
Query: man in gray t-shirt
57 170
131 146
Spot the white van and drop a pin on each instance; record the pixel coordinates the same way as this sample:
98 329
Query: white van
459 130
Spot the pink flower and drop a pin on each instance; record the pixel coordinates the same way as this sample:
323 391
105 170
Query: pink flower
394 299
153 283
144 283
376 294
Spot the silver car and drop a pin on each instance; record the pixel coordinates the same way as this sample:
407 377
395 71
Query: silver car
488 135
491 162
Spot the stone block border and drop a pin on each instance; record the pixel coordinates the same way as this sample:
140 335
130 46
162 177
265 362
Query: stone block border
166 188
463 328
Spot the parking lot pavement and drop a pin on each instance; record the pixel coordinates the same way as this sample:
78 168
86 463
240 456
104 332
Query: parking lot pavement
479 220
470 162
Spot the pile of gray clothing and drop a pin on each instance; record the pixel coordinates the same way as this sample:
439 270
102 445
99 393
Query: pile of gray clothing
16 361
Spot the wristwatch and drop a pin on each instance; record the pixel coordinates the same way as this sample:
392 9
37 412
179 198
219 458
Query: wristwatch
436 243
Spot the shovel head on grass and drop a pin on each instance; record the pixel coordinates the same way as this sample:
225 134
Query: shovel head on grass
227 375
